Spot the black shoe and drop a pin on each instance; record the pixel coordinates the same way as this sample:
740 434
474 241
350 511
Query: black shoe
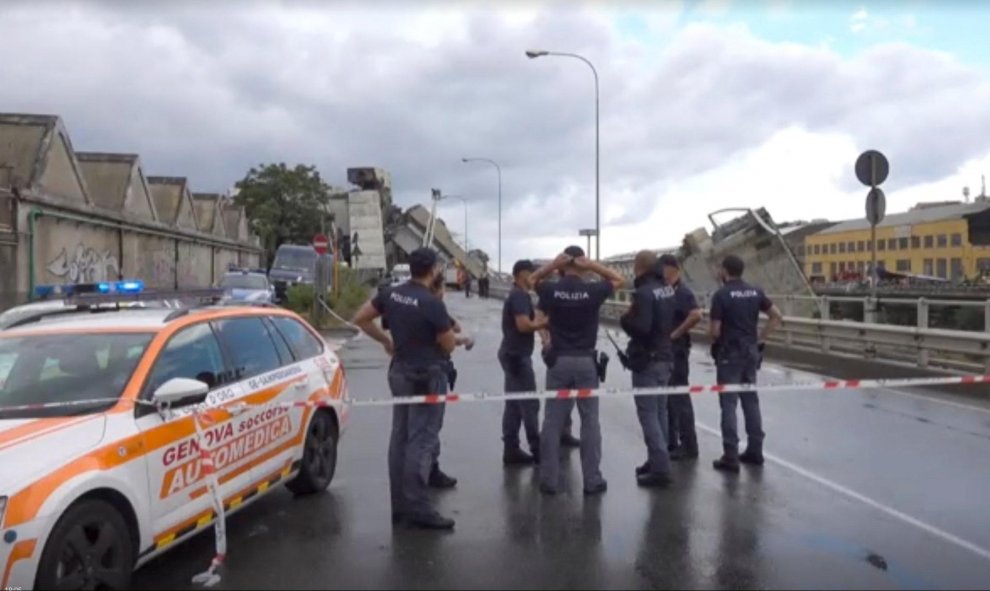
597 490
548 490
727 464
753 459
644 469
513 456
430 521
654 480
568 440
440 480
682 453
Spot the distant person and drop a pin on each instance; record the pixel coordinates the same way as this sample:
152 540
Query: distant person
467 285
737 346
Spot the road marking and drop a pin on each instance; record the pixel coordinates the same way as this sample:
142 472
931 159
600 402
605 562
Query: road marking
904 517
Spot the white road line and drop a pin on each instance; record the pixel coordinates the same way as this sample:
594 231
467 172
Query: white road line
931 529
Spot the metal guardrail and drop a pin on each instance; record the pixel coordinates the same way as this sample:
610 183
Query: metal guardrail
921 346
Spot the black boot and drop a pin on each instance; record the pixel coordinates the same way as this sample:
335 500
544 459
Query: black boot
753 457
654 480
643 469
568 440
440 480
430 521
513 456
683 453
729 462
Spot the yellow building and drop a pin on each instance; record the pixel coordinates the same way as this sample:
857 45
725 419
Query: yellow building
950 241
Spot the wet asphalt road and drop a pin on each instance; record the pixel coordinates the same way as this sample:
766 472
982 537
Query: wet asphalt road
863 489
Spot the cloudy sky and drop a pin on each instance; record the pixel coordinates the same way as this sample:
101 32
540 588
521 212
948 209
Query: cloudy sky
704 105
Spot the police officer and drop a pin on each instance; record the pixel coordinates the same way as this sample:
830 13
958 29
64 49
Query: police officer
423 337
438 478
682 437
572 305
650 356
515 354
737 347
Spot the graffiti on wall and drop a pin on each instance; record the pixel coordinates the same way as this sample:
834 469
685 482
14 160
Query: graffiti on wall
84 265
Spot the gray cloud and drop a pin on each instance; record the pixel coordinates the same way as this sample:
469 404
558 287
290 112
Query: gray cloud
208 90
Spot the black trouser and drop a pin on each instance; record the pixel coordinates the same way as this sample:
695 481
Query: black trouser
681 430
738 365
519 377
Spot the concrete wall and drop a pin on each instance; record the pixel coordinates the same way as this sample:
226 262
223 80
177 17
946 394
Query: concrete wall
365 212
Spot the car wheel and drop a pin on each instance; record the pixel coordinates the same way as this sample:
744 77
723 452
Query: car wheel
319 461
89 548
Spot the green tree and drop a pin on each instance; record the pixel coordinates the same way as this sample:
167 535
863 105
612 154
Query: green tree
285 205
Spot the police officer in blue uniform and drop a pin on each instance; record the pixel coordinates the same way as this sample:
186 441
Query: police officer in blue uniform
422 337
682 438
572 306
650 356
737 347
515 354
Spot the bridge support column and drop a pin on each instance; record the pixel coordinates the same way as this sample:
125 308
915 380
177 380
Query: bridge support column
923 311
826 315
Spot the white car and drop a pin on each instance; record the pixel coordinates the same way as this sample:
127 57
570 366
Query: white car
91 491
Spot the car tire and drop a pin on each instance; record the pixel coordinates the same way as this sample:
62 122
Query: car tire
319 461
89 548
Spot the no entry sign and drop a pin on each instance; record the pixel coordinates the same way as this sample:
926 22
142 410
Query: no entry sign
320 244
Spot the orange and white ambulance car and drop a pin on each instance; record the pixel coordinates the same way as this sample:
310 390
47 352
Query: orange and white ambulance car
99 459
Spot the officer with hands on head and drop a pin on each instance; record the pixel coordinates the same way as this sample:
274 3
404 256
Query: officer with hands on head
572 306
422 338
682 438
649 322
737 347
515 354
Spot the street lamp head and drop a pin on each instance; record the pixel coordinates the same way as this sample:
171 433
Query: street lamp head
532 54
464 159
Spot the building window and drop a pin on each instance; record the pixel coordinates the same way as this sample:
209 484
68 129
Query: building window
832 248
892 244
929 268
816 268
902 243
861 247
957 240
916 242
942 241
817 249
851 246
929 241
957 269
904 265
941 268
842 247
881 245
832 269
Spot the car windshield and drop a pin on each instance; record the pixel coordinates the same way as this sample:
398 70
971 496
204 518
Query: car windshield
244 281
43 369
295 260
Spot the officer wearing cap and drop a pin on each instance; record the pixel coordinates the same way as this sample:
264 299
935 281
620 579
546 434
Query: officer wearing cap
682 437
737 346
650 356
422 337
515 354
572 306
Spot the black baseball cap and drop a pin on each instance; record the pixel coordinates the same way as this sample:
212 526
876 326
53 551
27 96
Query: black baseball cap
669 260
523 265
421 261
574 251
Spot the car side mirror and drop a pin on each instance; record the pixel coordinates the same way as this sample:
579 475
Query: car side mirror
181 392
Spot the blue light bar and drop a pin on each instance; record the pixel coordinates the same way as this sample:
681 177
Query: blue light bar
129 286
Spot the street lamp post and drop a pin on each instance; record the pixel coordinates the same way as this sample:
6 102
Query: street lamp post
499 169
598 241
588 233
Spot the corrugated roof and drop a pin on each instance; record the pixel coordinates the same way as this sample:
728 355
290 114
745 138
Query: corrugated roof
909 218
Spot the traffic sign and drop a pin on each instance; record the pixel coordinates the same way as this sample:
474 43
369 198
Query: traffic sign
320 244
876 206
872 168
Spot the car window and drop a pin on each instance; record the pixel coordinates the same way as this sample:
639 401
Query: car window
243 281
67 368
192 353
284 353
249 346
302 341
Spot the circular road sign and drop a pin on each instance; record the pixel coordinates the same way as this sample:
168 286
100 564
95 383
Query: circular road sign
876 206
320 244
872 168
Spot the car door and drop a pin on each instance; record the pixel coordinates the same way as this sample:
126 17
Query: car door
179 495
266 372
